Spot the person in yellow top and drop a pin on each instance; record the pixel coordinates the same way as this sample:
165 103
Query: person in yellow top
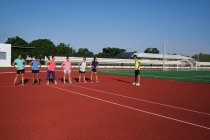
137 71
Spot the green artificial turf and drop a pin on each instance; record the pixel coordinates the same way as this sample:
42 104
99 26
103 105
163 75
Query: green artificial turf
189 76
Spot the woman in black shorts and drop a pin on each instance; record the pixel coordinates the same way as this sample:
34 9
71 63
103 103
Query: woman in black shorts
94 66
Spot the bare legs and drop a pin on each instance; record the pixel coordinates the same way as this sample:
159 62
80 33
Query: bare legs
22 77
83 75
137 80
70 78
37 78
15 79
64 78
91 76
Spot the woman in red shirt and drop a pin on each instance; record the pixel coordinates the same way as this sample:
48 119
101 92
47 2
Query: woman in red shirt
51 70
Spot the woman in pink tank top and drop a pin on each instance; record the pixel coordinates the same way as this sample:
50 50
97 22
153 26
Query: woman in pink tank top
67 70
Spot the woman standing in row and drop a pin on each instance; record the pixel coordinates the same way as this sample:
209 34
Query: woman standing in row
94 67
35 64
51 70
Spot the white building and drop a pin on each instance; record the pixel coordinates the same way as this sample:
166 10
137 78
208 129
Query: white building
5 55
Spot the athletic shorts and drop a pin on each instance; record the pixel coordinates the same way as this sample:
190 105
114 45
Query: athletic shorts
66 71
94 70
20 71
137 72
35 71
81 71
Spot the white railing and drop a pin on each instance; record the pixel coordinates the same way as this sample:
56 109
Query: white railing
145 63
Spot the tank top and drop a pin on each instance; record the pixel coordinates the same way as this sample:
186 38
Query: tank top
52 65
83 66
67 65
35 65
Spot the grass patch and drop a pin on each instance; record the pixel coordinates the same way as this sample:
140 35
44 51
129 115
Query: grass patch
188 76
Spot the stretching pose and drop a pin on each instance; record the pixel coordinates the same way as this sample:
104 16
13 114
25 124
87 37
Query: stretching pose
51 70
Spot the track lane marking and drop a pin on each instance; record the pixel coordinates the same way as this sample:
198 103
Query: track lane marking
133 98
132 108
151 102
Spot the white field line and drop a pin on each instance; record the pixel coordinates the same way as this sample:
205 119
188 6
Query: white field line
132 108
147 101
20 86
16 72
28 71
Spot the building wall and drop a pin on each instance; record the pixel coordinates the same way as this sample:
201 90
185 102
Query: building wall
5 55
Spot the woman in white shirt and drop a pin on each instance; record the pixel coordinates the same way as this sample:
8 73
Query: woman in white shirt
82 68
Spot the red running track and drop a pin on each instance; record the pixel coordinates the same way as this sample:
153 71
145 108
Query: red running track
111 109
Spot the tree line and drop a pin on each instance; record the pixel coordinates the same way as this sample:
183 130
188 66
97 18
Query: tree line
201 57
45 47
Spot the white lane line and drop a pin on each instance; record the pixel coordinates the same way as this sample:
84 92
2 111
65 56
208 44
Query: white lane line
28 71
132 108
17 86
151 102
6 72
16 72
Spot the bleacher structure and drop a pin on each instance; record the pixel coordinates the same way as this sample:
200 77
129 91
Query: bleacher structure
123 60
148 61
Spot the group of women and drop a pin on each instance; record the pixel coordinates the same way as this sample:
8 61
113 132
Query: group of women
35 64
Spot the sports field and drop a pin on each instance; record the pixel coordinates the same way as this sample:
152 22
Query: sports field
111 109
189 76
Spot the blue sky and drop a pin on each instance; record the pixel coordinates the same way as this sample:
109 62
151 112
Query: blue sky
184 25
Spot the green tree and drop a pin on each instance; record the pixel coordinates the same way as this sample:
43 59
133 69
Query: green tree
84 52
64 49
202 57
43 47
17 41
18 47
152 50
110 52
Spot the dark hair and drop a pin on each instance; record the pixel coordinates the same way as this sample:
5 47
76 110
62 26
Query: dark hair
67 57
94 59
35 57
53 56
134 56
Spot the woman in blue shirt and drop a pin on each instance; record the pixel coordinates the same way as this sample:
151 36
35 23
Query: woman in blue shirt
35 64
19 63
